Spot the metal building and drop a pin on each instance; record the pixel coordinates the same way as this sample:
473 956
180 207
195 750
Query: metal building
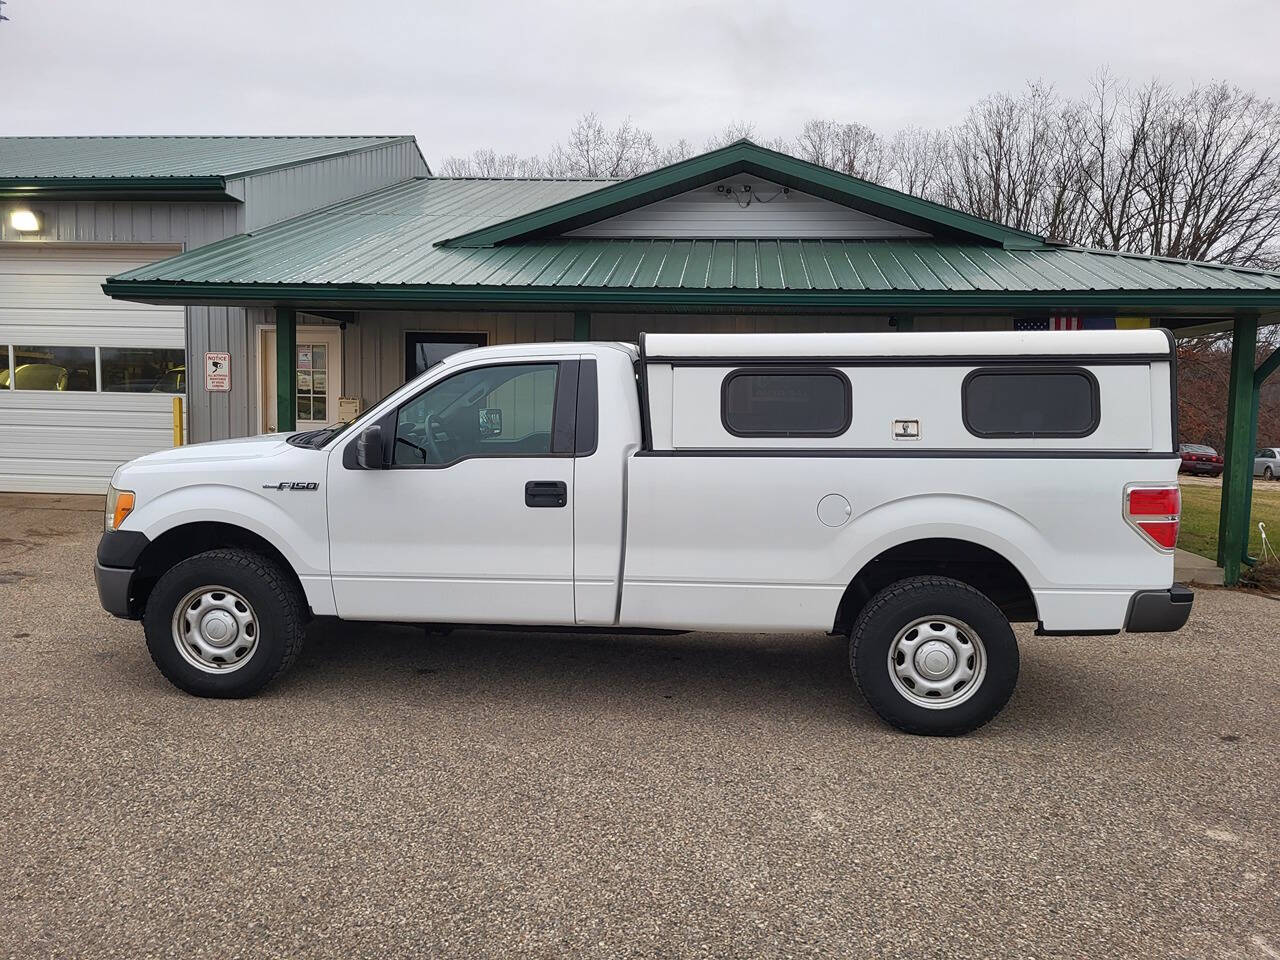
86 381
363 288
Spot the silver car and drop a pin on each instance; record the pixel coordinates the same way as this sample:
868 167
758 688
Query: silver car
1266 463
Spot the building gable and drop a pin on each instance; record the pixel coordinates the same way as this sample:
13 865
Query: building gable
745 206
744 159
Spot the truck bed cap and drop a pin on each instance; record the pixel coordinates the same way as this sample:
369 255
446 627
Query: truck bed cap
1154 342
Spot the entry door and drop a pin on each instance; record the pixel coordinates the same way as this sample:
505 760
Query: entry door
472 521
318 363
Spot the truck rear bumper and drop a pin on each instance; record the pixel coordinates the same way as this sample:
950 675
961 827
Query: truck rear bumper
1159 611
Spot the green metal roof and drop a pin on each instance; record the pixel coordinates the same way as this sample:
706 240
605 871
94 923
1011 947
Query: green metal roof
384 247
80 158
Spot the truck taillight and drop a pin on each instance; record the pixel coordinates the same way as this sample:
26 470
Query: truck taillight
1153 510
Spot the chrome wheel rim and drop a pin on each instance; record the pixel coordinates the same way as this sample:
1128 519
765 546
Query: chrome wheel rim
215 629
937 662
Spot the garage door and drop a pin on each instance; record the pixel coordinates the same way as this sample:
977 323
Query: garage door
86 382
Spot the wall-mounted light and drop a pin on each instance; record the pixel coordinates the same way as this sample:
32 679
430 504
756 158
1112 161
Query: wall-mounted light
24 221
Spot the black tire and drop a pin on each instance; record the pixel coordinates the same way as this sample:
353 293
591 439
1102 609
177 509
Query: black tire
1267 474
916 600
273 598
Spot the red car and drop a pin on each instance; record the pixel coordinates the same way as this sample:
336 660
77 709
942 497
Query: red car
1201 460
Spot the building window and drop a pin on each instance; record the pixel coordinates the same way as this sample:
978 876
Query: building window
786 403
1030 402
143 370
53 368
424 350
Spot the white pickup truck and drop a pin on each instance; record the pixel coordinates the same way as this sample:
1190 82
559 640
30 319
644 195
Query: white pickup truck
914 492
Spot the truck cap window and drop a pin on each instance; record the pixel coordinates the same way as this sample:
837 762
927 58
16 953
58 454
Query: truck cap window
1030 402
786 403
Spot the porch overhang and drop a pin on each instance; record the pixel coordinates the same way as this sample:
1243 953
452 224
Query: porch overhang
1197 307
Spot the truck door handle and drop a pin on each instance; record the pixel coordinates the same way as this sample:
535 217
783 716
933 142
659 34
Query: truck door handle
546 493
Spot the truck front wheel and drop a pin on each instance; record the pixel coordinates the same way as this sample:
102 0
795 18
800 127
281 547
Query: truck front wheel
934 656
224 623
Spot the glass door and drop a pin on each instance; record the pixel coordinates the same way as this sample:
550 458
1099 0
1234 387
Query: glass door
317 366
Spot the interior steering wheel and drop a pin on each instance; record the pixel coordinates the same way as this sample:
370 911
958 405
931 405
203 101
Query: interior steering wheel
432 425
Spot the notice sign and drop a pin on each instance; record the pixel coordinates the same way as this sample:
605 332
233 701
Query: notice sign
217 372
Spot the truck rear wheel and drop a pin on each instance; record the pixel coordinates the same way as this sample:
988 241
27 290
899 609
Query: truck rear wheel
224 623
934 656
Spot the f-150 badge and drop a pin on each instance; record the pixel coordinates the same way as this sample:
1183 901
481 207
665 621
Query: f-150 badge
287 485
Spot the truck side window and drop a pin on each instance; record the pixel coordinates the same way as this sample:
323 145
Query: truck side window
1030 402
786 403
498 411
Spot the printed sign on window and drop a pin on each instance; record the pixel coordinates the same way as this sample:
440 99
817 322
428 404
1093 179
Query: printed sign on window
217 372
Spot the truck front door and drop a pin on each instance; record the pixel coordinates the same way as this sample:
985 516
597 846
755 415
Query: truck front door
472 520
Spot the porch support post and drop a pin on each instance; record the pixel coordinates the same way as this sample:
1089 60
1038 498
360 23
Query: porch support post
286 369
1233 517
1265 369
582 325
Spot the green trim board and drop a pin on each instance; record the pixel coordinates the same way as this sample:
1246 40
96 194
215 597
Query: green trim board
744 156
66 188
286 369
423 296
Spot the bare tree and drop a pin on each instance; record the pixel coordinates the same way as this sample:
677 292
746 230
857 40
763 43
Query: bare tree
490 163
851 148
1010 160
916 159
731 133
1193 175
593 150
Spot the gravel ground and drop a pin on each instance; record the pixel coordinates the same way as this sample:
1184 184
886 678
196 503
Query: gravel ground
500 794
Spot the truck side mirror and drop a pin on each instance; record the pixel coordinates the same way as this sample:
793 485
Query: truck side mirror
369 450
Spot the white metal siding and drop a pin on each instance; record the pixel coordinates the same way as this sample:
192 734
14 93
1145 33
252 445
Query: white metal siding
707 212
71 442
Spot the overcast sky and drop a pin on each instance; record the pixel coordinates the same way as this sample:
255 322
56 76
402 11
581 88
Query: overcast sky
516 75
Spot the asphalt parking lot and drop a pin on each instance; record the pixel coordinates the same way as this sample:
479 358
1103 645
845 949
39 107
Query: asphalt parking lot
501 794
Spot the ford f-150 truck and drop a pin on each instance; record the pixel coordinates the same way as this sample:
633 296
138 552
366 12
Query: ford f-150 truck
914 492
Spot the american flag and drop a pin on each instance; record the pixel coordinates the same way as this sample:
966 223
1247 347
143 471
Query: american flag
1057 321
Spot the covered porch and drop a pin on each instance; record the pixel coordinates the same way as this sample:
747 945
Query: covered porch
740 239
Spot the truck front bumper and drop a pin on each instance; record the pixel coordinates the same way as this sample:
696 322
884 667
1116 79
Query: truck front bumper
113 589
1159 611
113 570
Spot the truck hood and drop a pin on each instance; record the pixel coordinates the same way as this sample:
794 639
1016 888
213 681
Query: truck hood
241 448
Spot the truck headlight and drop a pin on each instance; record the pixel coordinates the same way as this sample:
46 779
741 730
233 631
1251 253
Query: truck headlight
119 506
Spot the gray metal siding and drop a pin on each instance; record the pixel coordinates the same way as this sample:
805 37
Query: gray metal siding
121 221
280 194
